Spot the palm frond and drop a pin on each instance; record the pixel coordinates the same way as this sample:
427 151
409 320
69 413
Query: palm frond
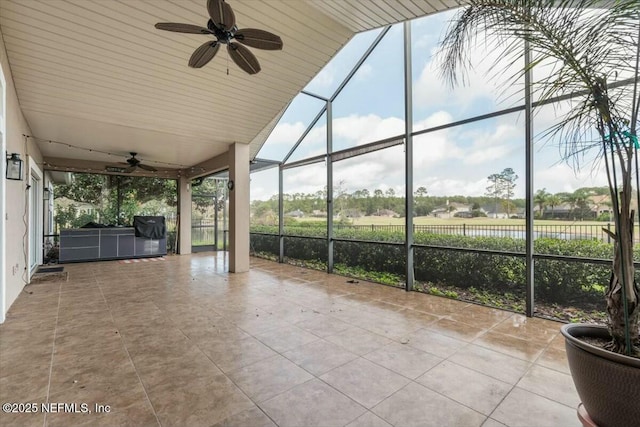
586 44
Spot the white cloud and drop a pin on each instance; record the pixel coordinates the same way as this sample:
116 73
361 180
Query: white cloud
324 79
492 146
561 177
448 162
430 89
286 133
364 73
307 179
358 130
438 186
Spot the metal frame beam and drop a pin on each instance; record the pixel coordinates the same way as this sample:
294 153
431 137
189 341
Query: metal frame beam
329 187
528 137
408 158
281 213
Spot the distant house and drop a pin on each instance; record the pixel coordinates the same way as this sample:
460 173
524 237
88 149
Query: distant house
350 213
385 212
295 214
453 209
494 211
82 208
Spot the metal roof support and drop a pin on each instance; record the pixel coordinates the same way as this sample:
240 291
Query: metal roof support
408 158
329 188
528 137
281 213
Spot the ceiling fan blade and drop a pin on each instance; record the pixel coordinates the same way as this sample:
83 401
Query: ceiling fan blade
204 54
148 168
243 58
182 28
130 169
259 39
221 14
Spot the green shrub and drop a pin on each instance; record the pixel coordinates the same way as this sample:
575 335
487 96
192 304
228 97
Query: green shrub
556 281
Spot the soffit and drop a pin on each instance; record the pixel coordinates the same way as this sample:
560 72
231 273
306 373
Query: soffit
96 74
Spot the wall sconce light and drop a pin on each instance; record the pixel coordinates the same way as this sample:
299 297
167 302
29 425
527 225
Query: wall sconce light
47 194
14 167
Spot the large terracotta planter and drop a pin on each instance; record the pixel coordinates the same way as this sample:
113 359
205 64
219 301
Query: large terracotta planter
608 383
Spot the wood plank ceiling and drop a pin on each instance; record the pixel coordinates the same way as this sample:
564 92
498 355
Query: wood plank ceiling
96 74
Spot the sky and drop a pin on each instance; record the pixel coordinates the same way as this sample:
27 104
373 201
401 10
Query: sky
454 161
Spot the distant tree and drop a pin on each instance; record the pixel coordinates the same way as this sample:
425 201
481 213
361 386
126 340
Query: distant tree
494 190
540 198
421 192
502 185
553 200
508 177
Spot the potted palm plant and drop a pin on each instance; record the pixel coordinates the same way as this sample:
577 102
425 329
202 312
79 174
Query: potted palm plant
595 47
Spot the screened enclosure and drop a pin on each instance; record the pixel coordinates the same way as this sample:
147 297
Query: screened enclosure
383 172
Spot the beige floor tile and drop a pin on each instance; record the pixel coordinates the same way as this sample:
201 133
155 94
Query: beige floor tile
490 422
330 409
118 394
480 316
22 419
554 358
403 359
517 347
358 341
523 409
235 354
471 388
176 368
138 414
290 337
206 400
268 378
364 381
26 385
529 328
552 384
417 318
323 326
70 370
369 419
459 330
319 356
436 306
491 363
253 418
184 330
418 406
434 343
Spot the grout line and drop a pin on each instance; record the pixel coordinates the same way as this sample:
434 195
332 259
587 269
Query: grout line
53 350
124 345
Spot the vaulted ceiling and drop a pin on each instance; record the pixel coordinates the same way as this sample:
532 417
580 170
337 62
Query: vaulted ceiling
96 74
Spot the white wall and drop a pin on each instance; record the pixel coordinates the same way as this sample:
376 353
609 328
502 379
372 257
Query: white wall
15 233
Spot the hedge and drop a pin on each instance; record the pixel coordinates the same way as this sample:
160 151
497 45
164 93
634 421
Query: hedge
556 281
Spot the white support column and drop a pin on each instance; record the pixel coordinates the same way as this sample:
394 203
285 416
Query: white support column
239 208
184 230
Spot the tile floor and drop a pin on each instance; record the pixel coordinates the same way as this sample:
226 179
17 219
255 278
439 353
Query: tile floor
182 343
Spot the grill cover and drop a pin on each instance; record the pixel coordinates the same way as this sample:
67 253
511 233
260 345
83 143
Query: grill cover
150 227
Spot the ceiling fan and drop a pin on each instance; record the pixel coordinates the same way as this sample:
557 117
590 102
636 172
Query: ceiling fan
222 26
133 163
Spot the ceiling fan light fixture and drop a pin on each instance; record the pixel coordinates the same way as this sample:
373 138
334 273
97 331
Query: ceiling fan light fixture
222 25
